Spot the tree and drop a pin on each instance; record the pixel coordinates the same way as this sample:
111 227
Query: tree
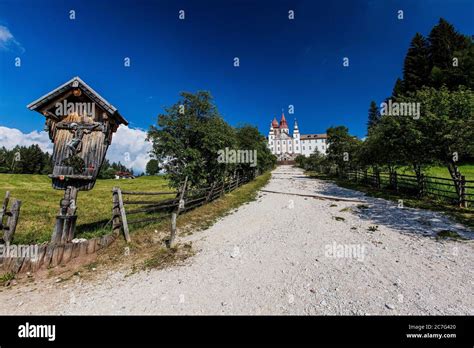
188 138
445 129
398 89
416 67
445 45
249 138
342 148
374 116
152 167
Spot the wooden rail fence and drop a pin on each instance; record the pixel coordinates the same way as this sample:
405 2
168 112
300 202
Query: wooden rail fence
134 207
457 192
9 226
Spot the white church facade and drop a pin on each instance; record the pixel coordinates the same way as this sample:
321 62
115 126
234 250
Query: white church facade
287 147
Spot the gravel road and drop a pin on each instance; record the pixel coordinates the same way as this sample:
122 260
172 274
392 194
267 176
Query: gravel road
288 254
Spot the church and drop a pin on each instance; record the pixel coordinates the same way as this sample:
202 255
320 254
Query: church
287 147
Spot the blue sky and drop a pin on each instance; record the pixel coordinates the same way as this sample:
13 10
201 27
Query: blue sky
282 62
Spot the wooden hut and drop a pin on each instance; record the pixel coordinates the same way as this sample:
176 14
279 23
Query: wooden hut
80 123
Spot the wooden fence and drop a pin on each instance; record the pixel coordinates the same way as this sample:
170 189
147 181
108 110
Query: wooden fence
457 192
136 208
11 216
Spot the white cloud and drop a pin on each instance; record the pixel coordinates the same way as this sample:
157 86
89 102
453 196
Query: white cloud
7 40
10 137
129 145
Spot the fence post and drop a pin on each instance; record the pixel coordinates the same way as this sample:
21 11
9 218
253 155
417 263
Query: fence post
12 221
211 191
462 192
4 207
174 215
395 181
123 215
116 215
421 185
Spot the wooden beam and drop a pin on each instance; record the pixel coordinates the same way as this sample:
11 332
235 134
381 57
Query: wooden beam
123 215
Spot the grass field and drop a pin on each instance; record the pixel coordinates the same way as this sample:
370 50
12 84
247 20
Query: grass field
442 172
40 204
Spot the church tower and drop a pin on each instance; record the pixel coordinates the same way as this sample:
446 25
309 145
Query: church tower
296 138
283 125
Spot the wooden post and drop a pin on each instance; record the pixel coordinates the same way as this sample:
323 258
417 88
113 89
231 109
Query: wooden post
65 227
123 215
70 222
211 191
237 181
4 208
421 185
174 215
116 215
222 188
395 181
462 191
12 221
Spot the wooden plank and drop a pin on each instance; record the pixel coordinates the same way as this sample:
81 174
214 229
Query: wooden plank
124 216
116 220
149 193
4 208
12 221
173 229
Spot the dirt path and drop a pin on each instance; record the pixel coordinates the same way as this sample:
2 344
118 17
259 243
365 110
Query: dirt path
284 254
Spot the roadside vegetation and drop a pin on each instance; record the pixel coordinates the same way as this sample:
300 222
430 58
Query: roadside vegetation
428 132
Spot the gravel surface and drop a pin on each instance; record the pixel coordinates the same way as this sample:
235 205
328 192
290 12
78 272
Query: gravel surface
286 254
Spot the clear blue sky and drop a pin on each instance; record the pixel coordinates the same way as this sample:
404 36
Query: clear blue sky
282 62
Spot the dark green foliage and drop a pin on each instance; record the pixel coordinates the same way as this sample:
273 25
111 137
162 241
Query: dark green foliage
189 136
108 170
152 167
343 148
374 116
25 160
416 68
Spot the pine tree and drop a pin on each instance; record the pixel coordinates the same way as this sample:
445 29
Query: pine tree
447 44
398 89
416 67
374 116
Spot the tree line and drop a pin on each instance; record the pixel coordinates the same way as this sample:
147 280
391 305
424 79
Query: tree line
437 87
191 138
32 160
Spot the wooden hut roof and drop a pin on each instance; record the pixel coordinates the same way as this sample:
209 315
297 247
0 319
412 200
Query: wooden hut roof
86 89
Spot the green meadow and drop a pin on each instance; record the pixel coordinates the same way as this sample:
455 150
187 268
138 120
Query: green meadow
40 204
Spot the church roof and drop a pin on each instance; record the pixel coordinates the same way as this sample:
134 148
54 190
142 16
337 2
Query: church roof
313 136
283 123
275 123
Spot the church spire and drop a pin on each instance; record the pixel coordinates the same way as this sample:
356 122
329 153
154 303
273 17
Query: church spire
283 123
